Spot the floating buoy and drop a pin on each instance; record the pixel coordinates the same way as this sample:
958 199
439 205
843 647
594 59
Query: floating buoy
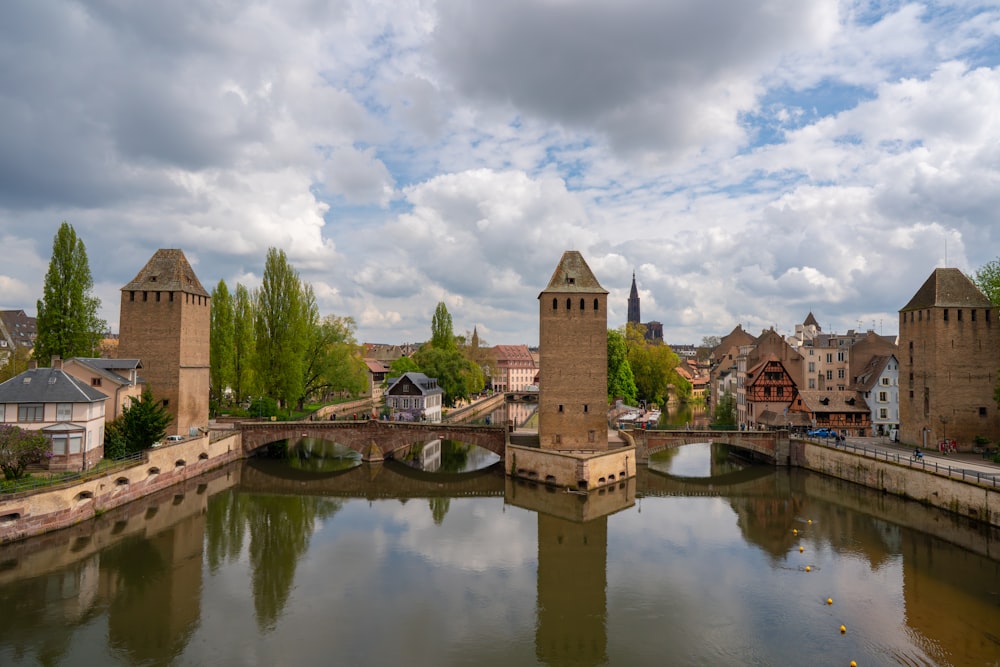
854 664
829 600
801 549
810 522
843 629
808 569
795 531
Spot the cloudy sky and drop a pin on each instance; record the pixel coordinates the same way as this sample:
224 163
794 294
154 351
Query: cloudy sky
749 161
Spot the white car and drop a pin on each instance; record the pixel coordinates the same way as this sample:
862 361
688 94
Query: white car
174 438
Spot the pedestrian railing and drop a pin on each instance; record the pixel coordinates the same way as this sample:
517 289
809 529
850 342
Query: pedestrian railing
36 482
929 464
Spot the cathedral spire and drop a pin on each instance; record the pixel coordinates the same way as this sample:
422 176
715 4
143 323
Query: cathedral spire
633 303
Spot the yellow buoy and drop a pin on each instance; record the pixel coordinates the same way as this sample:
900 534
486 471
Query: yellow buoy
808 569
829 600
795 531
843 629
854 664
810 522
801 549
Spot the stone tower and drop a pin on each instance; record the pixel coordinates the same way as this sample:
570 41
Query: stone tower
949 355
573 356
165 323
633 303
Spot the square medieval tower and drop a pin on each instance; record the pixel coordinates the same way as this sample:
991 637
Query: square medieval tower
165 322
573 359
949 355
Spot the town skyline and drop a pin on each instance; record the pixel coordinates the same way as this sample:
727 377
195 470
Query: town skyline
751 163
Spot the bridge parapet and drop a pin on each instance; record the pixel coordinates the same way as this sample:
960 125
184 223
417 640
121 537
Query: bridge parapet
374 439
773 445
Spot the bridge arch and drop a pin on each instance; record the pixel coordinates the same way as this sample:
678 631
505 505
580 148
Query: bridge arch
771 445
373 439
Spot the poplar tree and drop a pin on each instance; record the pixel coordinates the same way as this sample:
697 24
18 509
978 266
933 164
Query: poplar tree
68 324
280 325
244 345
222 335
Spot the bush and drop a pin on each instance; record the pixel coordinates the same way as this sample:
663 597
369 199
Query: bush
981 440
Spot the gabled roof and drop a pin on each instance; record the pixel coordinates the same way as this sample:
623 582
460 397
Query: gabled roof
572 275
376 366
21 329
167 271
839 401
810 321
754 374
47 385
869 375
110 368
423 383
948 288
512 352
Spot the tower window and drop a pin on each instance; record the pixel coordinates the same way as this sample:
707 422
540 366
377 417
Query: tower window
171 299
946 315
555 303
581 304
959 314
973 311
585 408
145 296
560 408
157 297
596 304
982 412
131 295
569 304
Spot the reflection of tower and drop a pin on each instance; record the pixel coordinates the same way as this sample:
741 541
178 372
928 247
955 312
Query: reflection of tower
633 303
573 349
572 578
164 322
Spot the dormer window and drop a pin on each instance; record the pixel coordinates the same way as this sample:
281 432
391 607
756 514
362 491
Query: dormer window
570 280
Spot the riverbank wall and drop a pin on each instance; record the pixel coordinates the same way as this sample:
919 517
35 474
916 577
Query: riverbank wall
29 513
963 497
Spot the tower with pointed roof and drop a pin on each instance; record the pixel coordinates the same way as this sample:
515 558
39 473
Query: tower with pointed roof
165 315
949 356
633 303
573 359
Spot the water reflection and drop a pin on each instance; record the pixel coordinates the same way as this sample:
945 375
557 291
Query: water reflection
318 455
448 456
391 565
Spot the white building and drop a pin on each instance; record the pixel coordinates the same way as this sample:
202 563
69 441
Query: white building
414 397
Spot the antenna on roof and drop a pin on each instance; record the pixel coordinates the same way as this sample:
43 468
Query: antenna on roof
946 251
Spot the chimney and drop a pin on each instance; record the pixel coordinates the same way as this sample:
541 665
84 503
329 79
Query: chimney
56 362
32 364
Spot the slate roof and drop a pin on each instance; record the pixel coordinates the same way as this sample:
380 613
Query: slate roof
48 385
810 320
167 271
870 374
948 288
109 367
423 383
573 276
838 401
21 329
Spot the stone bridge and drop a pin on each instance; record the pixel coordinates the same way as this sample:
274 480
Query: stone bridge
375 440
770 445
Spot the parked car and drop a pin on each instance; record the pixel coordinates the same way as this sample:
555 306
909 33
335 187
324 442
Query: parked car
822 433
174 438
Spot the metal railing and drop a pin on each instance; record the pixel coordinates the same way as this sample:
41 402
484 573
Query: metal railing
928 464
37 482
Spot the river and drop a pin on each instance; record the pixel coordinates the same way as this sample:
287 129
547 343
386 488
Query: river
702 560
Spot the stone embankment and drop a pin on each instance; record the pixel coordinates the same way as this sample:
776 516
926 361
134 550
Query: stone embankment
30 513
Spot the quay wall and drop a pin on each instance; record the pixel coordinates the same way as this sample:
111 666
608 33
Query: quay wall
29 513
961 497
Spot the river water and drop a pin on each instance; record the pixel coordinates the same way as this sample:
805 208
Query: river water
702 560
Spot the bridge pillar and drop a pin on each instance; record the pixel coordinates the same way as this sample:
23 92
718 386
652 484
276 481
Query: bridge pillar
373 453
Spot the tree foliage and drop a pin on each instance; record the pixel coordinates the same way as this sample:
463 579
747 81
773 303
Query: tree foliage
654 367
725 411
68 323
221 336
143 421
333 360
243 343
19 448
458 376
15 363
987 279
621 382
402 365
282 312
442 332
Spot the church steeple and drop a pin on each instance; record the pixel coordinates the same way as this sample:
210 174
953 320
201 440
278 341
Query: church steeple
633 303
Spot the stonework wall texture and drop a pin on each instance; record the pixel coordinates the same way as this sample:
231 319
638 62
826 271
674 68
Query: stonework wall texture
947 375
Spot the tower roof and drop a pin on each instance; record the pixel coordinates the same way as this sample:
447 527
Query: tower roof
634 294
810 321
948 287
574 276
167 271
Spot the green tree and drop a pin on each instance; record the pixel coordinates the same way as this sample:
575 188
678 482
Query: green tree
333 360
281 329
653 366
142 422
222 336
621 382
442 332
19 448
15 363
457 376
243 344
68 325
402 365
987 279
725 411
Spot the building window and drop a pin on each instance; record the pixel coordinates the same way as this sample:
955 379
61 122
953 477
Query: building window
145 296
885 381
812 383
560 408
945 314
569 304
585 408
166 402
131 295
157 297
812 366
883 397
64 412
973 313
2 411
31 412
840 373
596 304
171 298
883 413
982 412
59 444
95 382
582 306
840 356
829 375
829 358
